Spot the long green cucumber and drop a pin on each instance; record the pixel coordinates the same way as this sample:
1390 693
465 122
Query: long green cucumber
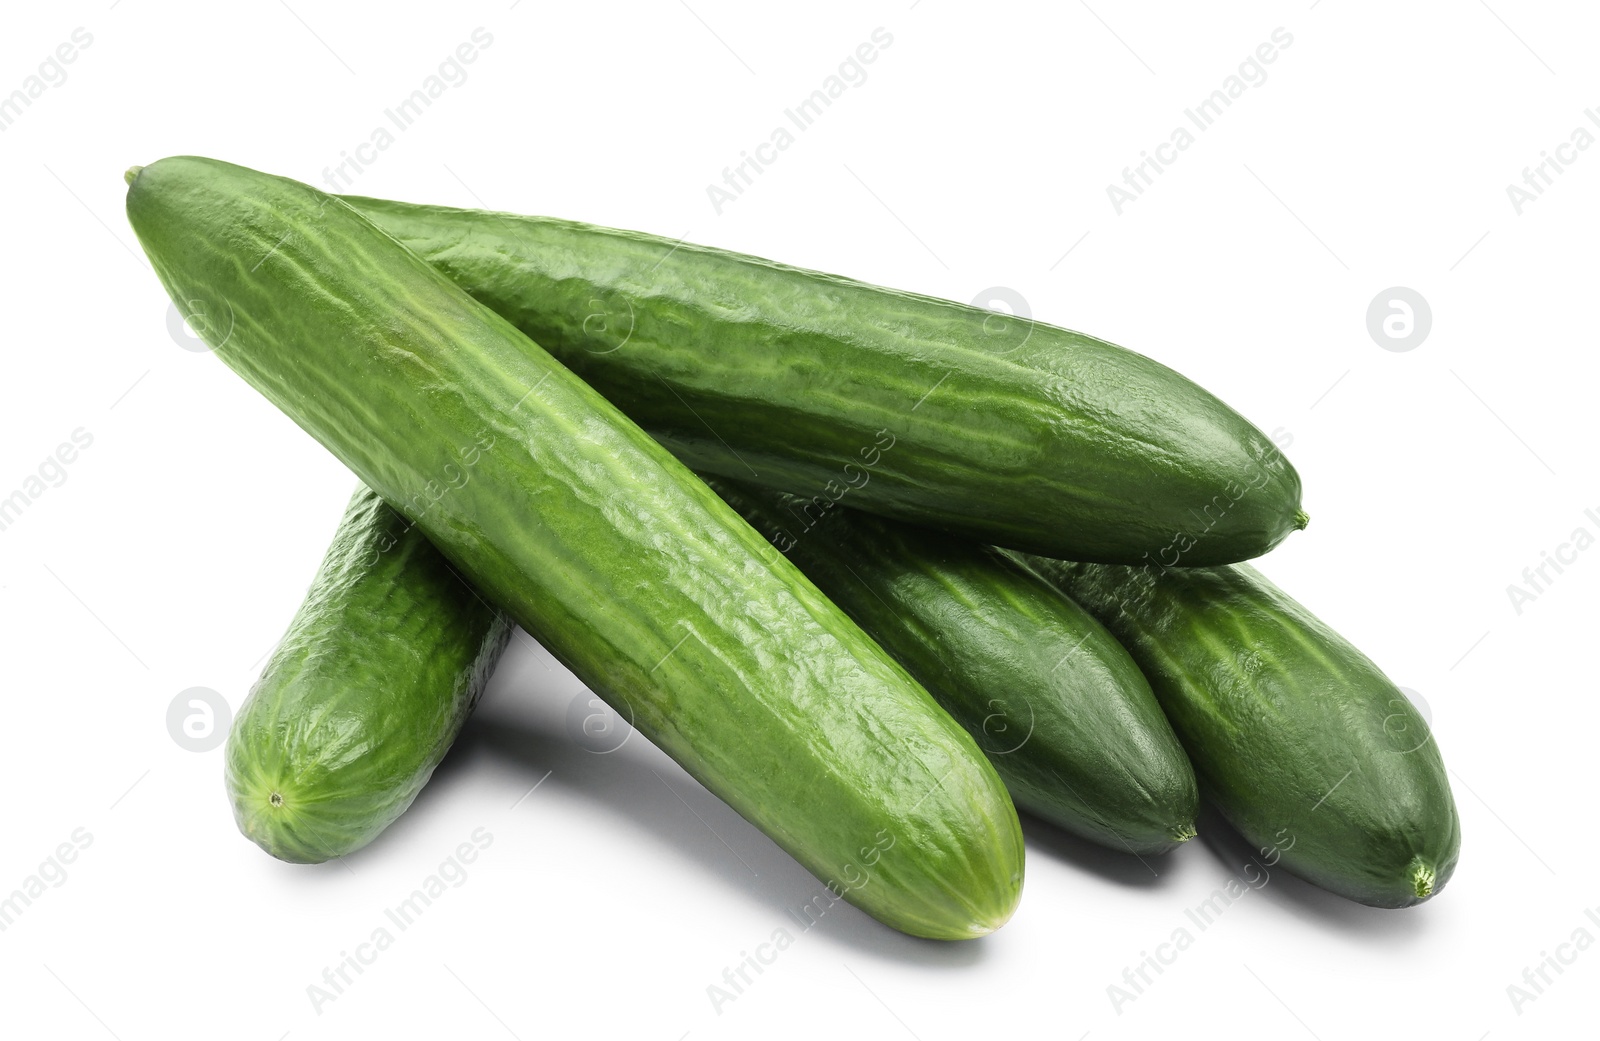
363 695
1300 741
1055 702
595 539
1007 431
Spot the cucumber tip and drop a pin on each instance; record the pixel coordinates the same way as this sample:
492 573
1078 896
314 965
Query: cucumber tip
1301 519
984 928
130 173
1422 880
1184 832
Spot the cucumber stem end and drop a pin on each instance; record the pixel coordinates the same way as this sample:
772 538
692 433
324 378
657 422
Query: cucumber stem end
1422 880
132 172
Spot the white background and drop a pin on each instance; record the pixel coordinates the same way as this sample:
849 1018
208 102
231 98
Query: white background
977 152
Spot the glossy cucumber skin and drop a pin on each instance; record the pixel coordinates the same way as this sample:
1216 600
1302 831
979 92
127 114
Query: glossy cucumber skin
1057 705
364 694
595 539
1009 432
1300 741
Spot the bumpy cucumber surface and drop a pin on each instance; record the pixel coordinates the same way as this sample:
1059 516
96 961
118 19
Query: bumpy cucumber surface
595 539
1011 432
1053 700
365 693
1300 741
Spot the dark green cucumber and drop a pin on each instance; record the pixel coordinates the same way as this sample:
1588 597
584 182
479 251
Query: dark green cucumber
1011 432
595 539
1300 741
1053 700
364 694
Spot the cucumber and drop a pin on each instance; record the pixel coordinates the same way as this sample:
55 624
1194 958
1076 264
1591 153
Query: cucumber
1053 700
365 693
595 539
1297 738
1010 432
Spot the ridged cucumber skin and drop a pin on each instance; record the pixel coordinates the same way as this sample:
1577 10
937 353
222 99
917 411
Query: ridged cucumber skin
1008 432
364 694
1052 699
595 539
1297 738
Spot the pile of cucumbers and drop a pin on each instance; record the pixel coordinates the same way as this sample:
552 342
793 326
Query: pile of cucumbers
877 569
